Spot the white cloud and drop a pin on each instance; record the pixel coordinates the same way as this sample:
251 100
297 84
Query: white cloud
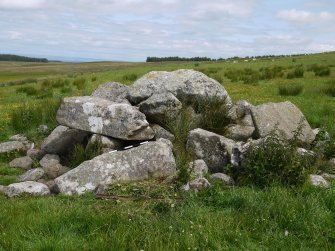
20 4
301 16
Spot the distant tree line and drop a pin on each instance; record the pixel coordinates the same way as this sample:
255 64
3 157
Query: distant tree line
163 59
10 57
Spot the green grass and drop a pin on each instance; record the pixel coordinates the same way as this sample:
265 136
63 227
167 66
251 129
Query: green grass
216 219
244 218
290 89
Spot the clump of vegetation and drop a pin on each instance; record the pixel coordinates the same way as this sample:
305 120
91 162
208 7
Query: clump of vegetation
271 72
330 88
298 72
247 75
28 90
290 89
80 154
93 79
130 77
320 70
80 83
31 115
274 161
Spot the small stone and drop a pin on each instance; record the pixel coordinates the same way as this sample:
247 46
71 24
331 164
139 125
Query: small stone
199 184
27 187
2 189
224 178
18 137
161 133
12 146
22 162
35 153
43 129
328 177
31 175
318 181
198 168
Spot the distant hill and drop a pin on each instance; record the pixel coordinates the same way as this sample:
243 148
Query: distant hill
10 57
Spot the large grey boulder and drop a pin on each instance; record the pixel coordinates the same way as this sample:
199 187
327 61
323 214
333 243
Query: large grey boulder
161 108
31 175
62 139
186 85
22 162
285 117
27 187
12 146
112 91
150 160
214 149
96 115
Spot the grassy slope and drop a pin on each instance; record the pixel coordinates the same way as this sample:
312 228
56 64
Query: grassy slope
235 219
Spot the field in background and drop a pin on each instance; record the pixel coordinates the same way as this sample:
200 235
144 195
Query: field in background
244 218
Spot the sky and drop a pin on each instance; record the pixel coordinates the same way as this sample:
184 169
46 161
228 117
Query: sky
131 30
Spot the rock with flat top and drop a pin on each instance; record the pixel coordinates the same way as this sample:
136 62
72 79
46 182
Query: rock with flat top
96 115
12 146
112 91
148 161
32 175
28 187
22 162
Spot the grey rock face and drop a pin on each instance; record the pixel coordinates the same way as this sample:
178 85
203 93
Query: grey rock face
22 162
224 178
285 116
96 115
2 189
12 146
35 153
214 149
19 137
31 175
151 160
328 177
198 168
239 133
318 181
186 85
62 139
161 133
27 187
161 108
106 142
42 128
52 167
112 91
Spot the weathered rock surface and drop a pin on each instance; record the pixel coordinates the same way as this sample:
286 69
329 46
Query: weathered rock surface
161 108
328 177
18 137
112 91
62 139
151 160
186 85
31 175
318 181
214 149
2 189
239 132
27 187
106 142
35 153
225 179
12 146
161 133
52 167
196 185
285 117
43 129
22 162
96 115
198 168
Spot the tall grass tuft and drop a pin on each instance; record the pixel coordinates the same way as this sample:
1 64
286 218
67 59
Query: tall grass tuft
298 72
290 89
330 88
320 70
30 115
28 90
80 83
130 77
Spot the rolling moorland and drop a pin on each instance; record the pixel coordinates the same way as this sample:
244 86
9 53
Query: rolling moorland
271 218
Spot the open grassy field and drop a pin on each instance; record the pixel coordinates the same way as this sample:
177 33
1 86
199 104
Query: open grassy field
244 218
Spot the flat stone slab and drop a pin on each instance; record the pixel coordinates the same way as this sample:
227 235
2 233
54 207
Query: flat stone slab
27 187
12 146
96 115
151 160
